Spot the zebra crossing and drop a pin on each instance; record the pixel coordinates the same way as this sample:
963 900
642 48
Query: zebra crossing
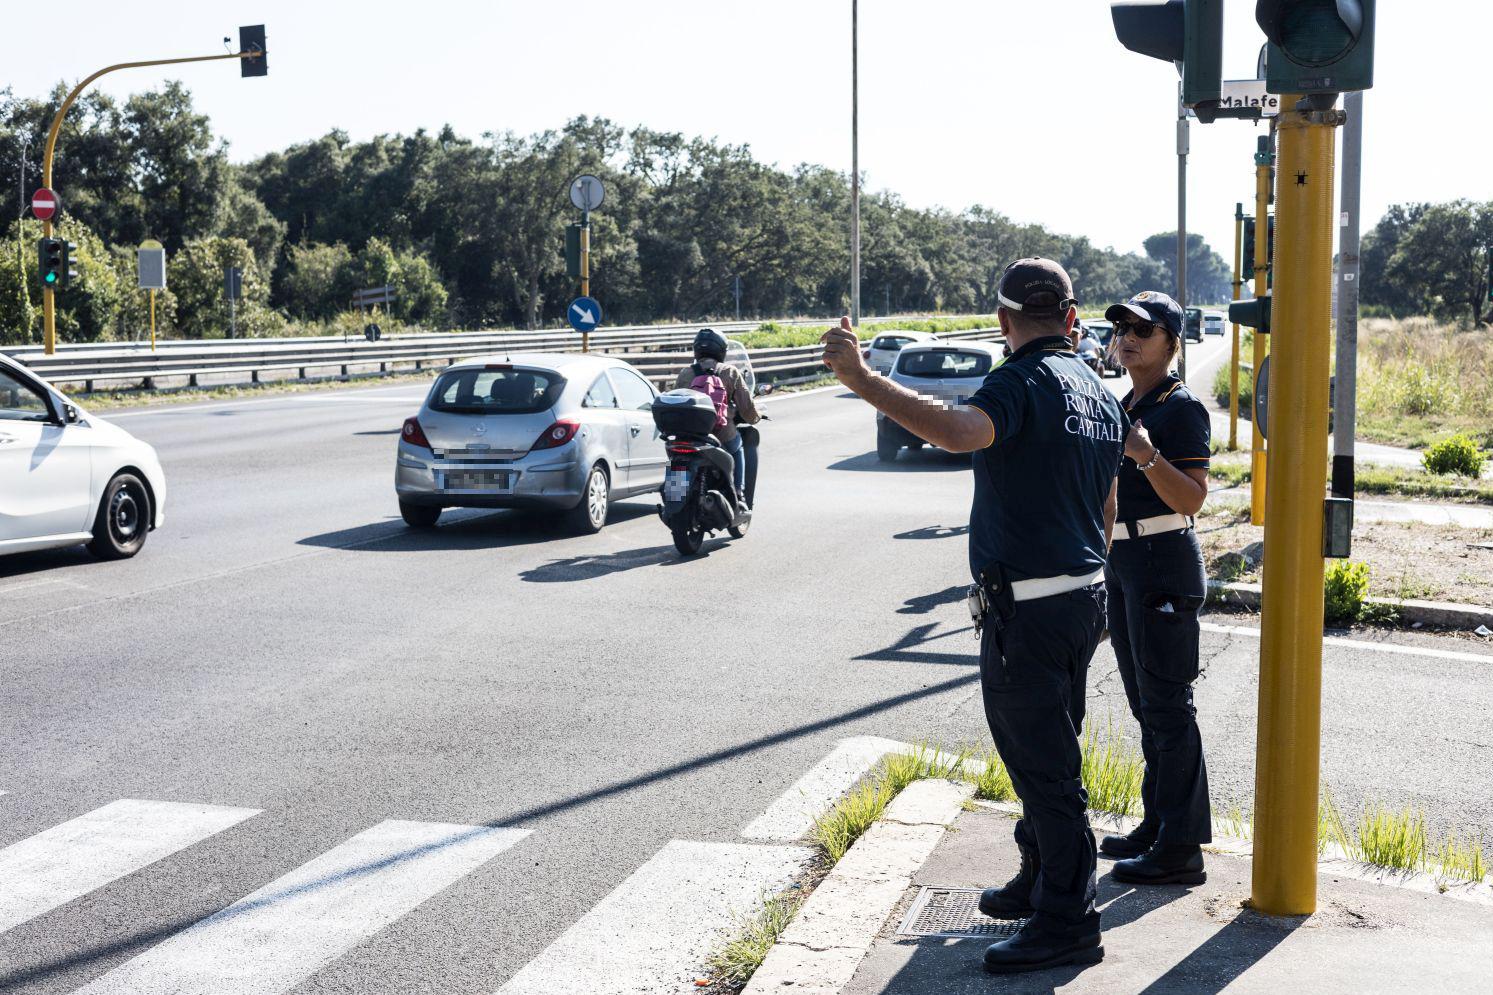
651 934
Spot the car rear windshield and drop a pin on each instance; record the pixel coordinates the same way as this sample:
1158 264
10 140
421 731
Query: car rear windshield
941 363
496 390
890 342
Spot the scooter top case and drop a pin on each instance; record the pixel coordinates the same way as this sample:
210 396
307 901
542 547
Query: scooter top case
684 412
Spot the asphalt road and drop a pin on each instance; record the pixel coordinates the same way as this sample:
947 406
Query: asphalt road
284 644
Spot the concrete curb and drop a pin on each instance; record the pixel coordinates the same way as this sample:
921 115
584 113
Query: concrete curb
820 950
1444 614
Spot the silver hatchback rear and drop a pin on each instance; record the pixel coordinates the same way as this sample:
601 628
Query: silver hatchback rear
555 432
946 372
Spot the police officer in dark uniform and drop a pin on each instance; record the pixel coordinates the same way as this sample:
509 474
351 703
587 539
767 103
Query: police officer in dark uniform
1047 439
1156 585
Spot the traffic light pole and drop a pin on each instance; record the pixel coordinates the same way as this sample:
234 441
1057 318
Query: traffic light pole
1345 399
48 295
1288 740
585 270
1257 460
1234 354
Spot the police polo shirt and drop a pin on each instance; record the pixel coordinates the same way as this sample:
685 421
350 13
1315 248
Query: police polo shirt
1040 486
1180 428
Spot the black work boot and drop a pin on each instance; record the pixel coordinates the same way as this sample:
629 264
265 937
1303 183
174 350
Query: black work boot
1013 900
1132 844
1163 864
1034 949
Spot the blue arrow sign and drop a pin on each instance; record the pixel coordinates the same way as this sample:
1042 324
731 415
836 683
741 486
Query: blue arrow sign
584 314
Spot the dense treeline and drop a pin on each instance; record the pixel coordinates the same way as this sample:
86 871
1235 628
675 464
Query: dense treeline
469 232
1430 259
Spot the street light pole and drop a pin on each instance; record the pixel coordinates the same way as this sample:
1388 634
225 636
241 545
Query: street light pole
855 167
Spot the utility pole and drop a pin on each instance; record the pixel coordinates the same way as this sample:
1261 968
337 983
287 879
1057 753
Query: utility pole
22 290
1345 392
1182 149
1234 353
855 167
738 296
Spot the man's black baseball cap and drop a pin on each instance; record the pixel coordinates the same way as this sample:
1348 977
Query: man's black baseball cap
1150 306
1036 286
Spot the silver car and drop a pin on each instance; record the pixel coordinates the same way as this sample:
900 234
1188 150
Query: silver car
881 354
568 433
946 373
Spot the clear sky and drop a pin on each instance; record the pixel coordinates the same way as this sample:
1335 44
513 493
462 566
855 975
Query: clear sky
1030 108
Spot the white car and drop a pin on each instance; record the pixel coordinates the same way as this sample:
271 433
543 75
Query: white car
881 354
946 372
1213 323
68 477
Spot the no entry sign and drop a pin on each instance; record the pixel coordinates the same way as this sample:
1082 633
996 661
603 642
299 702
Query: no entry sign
44 204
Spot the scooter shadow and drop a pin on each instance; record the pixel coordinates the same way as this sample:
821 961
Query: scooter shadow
464 530
908 461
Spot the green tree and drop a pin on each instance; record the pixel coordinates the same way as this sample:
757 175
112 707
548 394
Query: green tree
317 280
1208 276
1441 260
196 278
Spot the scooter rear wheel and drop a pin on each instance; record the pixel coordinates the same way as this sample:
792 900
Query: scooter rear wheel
688 541
738 531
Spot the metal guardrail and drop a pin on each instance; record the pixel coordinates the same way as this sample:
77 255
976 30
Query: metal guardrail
251 358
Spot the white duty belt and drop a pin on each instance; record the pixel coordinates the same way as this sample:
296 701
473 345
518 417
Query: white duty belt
1045 587
1153 526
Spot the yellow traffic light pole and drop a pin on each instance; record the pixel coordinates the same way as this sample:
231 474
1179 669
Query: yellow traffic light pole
1257 450
49 306
1288 741
1234 360
586 271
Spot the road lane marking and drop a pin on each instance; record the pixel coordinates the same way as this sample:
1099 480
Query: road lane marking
795 810
271 940
1359 644
653 933
68 861
292 397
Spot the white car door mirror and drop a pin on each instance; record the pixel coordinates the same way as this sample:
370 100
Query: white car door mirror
70 415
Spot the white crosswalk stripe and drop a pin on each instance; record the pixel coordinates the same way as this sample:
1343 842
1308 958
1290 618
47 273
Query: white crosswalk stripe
271 940
68 861
658 926
794 812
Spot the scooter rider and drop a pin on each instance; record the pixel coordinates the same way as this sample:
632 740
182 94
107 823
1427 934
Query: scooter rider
710 358
1047 439
1156 585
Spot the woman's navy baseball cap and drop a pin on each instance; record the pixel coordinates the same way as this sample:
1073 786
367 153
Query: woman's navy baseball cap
1150 306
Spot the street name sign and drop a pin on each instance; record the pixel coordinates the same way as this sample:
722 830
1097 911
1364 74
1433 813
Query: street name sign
44 204
1248 94
584 314
586 193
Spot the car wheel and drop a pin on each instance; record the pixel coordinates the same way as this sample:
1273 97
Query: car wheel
590 513
886 447
123 519
418 516
688 541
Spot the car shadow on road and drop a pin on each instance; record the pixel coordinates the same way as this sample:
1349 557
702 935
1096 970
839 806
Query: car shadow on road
910 461
934 532
590 567
462 529
21 564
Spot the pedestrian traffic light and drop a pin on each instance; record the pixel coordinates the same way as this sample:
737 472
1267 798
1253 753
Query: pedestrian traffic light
1254 313
1187 32
54 256
251 39
572 250
1249 249
1317 46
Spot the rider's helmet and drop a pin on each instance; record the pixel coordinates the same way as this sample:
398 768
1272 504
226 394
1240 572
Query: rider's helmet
710 344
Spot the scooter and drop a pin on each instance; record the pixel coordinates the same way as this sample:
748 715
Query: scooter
699 493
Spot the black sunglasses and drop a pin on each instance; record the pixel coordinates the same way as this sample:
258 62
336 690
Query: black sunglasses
1140 329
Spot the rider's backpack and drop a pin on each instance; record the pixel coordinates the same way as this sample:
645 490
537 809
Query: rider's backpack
709 383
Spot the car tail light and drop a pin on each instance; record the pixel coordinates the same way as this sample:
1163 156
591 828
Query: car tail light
557 434
865 353
414 434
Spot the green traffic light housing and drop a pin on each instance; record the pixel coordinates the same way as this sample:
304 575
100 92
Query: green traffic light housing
1317 46
1187 32
52 262
1253 313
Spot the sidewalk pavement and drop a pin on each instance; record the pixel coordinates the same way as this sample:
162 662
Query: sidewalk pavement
1365 936
1467 516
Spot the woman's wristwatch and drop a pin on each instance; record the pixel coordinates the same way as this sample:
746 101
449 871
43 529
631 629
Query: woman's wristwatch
1155 458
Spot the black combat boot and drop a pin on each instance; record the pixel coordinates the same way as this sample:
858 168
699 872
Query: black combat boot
1132 844
1163 864
1014 899
1034 949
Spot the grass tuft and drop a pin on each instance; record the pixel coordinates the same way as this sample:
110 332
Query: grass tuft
837 830
1458 861
1112 771
992 781
734 963
1392 839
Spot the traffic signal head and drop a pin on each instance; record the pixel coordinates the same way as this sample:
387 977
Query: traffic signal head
572 250
1254 313
1317 46
50 262
1187 32
251 39
1249 249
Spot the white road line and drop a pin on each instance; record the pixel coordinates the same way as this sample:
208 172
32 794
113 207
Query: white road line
794 812
655 930
1359 644
292 396
271 940
68 861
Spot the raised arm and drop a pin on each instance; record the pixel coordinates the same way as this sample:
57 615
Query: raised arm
957 430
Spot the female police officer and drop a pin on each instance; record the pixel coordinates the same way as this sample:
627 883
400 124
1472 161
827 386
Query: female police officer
1155 582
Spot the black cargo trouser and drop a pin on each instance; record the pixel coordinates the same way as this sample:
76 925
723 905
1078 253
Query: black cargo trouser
1034 669
1156 587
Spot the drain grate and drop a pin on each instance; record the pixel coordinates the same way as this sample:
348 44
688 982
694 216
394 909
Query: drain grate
953 912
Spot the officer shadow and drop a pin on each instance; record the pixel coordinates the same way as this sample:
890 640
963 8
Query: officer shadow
909 649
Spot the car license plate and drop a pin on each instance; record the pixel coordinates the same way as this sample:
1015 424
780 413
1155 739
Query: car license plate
478 480
676 485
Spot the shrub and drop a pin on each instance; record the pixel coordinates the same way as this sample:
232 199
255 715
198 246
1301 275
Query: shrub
1456 454
1246 388
1345 587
